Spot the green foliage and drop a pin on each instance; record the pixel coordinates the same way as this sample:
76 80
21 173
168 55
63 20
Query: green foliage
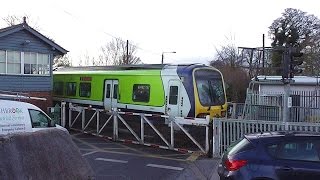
294 28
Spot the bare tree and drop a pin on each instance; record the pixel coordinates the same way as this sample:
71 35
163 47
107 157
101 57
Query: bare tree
115 53
86 60
231 64
97 62
228 55
62 61
11 20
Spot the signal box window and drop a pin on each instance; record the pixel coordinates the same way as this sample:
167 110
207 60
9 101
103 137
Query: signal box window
30 63
71 89
13 62
173 99
58 88
85 90
141 93
3 62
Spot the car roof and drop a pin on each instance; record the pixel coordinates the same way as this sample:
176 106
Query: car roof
20 104
279 135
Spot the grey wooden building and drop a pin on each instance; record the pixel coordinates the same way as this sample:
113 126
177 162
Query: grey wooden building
26 60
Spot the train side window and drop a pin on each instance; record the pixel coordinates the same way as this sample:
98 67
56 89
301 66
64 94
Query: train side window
58 88
173 95
108 91
85 90
141 93
115 91
71 88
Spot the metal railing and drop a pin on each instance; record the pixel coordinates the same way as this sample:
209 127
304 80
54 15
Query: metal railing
228 131
304 106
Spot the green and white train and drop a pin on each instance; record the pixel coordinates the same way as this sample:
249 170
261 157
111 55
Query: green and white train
178 90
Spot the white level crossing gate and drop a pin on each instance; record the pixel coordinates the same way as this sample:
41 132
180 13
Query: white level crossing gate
98 122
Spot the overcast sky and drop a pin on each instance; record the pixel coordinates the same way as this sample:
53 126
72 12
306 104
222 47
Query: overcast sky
192 28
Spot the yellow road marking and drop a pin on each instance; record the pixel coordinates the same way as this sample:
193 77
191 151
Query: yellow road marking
194 156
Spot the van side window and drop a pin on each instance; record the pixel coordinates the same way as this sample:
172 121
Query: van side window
71 88
141 93
38 119
85 90
58 88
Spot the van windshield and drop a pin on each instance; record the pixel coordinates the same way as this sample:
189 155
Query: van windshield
210 87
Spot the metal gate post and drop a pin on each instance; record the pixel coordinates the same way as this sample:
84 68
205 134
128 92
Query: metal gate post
280 114
98 120
286 126
207 134
70 115
171 119
216 132
115 124
63 114
210 136
234 111
142 129
83 117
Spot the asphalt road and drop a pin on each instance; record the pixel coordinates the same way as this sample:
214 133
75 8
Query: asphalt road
116 160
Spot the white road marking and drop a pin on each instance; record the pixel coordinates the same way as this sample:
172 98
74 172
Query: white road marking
165 167
111 160
89 153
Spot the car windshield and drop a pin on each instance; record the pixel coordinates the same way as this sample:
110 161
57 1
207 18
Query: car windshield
210 87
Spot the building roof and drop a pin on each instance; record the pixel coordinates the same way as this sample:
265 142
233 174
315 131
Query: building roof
24 26
297 80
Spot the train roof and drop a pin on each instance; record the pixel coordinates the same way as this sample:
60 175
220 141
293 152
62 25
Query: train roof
126 67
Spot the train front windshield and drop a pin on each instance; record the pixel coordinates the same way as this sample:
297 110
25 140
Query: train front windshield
210 87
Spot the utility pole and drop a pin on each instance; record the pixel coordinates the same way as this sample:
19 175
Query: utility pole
162 55
127 57
286 81
263 54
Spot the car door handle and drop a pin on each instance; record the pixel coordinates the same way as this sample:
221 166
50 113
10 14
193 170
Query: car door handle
286 168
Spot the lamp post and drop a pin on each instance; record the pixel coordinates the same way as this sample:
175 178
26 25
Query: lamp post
162 57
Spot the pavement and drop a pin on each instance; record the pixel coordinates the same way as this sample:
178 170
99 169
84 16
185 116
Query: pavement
202 168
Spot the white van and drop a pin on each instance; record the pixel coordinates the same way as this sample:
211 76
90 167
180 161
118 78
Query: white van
16 116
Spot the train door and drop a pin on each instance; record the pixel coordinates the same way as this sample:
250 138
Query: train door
110 94
173 100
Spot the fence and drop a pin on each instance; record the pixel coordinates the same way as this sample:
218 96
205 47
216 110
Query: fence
304 106
228 131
